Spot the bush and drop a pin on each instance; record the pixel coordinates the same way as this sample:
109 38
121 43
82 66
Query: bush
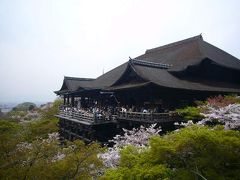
191 153
39 128
53 110
221 101
190 113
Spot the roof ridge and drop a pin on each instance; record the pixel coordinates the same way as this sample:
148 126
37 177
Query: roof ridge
150 63
194 38
77 78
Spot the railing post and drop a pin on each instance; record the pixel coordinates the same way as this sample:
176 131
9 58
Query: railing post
72 111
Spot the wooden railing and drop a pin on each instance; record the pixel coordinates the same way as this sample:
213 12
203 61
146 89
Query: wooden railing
129 116
83 116
149 117
76 115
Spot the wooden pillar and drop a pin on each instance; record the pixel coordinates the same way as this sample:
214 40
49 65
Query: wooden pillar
83 102
72 101
67 99
64 100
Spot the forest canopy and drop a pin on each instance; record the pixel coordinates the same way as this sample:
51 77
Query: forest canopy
208 149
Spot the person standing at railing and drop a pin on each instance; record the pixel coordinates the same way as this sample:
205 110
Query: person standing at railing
145 111
124 111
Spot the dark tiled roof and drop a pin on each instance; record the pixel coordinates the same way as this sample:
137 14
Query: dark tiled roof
73 83
189 52
128 86
109 78
177 56
163 78
219 56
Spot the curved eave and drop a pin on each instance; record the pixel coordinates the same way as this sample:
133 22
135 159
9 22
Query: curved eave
128 86
82 91
61 92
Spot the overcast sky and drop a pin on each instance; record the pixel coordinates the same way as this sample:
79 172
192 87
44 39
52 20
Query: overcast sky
43 40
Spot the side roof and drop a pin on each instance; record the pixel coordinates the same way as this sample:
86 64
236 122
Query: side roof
73 83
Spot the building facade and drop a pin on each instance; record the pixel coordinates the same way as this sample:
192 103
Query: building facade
146 89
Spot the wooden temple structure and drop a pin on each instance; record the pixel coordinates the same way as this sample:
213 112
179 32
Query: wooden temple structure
146 89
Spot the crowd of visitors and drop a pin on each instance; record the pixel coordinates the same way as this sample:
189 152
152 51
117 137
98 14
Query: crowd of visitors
142 109
97 113
110 112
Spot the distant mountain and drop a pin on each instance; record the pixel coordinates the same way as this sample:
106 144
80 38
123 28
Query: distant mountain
25 106
7 105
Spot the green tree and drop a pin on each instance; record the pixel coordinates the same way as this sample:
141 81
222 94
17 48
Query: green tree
49 113
47 159
10 136
81 161
191 113
191 153
39 129
30 151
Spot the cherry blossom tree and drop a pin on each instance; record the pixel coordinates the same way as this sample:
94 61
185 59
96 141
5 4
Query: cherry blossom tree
137 137
228 115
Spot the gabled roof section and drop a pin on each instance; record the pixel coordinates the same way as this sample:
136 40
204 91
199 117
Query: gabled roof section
219 56
109 78
73 83
174 44
178 54
189 52
129 76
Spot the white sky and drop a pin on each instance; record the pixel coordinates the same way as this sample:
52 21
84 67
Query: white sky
43 40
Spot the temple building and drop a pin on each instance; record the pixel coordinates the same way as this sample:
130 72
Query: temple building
146 89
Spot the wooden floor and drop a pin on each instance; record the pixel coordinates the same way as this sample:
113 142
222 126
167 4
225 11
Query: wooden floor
85 122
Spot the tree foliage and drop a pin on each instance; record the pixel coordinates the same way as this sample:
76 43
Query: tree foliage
191 153
221 101
213 107
191 113
74 160
51 111
32 150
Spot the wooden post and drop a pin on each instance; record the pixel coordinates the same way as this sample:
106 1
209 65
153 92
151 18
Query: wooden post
64 100
67 99
72 101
